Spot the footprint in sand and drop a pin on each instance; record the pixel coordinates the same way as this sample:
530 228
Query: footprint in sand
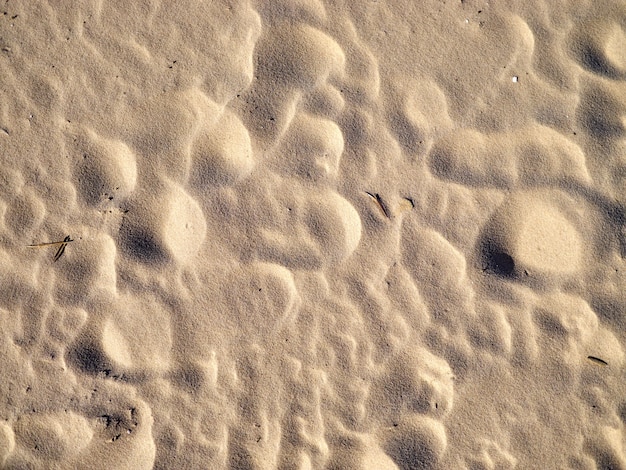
163 223
104 169
101 436
534 156
601 115
292 60
221 153
419 115
534 235
360 451
415 441
53 436
415 381
261 301
133 340
601 45
25 213
306 229
89 269
311 149
137 338
163 142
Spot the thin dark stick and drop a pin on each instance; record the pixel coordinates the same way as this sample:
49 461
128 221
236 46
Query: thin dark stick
379 202
61 249
597 360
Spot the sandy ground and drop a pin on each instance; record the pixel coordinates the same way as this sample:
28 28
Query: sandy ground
306 235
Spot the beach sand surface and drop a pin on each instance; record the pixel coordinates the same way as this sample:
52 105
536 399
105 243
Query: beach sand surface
306 234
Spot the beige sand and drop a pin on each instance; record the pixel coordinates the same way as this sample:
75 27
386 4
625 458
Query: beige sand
313 235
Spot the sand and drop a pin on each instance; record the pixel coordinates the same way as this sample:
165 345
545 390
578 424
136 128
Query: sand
313 235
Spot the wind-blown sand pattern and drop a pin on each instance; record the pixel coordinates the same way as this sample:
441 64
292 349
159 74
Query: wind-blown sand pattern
313 235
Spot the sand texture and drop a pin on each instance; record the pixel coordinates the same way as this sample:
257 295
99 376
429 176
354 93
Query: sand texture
308 234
